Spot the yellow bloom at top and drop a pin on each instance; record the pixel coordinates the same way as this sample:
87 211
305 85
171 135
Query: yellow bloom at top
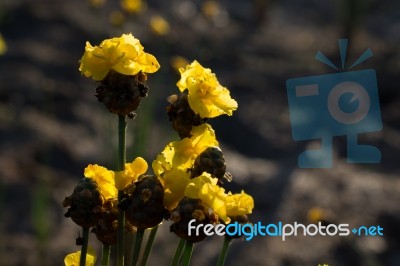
124 54
131 173
206 96
182 154
239 204
104 178
73 259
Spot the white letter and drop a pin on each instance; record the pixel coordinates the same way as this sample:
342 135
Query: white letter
219 229
190 227
344 231
208 229
284 234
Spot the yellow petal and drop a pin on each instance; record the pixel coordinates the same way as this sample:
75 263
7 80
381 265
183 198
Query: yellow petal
239 204
104 179
215 197
73 259
196 184
131 173
206 96
174 183
123 54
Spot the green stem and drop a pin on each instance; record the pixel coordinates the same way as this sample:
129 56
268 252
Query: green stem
178 252
105 256
138 245
149 245
187 253
121 165
85 235
224 251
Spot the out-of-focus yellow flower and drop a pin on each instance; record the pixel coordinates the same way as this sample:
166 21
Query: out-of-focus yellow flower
3 45
73 259
104 178
206 96
97 3
174 183
239 204
182 154
178 62
210 8
124 54
215 197
116 18
132 6
196 184
159 25
131 173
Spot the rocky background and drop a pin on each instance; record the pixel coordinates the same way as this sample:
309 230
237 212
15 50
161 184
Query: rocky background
51 125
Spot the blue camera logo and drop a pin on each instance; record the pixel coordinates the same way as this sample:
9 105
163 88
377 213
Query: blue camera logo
339 104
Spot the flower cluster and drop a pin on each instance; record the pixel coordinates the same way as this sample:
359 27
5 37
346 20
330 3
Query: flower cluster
188 174
194 167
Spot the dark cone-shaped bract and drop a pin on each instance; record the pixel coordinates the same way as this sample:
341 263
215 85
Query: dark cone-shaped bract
121 94
243 220
106 228
182 116
187 210
85 203
144 204
212 161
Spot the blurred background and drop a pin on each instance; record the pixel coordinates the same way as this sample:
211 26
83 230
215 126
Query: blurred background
52 127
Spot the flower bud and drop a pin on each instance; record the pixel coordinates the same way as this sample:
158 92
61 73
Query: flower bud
187 210
212 161
121 94
106 228
144 203
85 203
182 116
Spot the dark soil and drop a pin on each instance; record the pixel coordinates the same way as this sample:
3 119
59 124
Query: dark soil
51 125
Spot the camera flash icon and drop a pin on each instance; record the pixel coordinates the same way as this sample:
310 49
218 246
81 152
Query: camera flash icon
338 104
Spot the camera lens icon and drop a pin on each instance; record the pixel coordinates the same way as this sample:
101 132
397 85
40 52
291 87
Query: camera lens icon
359 95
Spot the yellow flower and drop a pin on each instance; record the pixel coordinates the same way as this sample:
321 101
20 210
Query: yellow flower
159 25
73 259
3 45
182 154
174 183
178 62
104 178
132 6
239 204
125 55
206 96
196 184
215 197
131 173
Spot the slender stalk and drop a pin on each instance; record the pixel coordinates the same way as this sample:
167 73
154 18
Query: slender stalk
85 235
149 245
178 253
224 251
121 165
105 256
137 247
187 253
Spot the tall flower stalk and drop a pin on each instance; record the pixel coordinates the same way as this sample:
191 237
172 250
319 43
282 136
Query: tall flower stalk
122 125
